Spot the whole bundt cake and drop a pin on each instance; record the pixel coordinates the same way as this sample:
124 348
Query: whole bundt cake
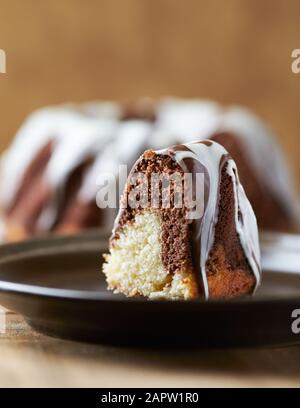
50 175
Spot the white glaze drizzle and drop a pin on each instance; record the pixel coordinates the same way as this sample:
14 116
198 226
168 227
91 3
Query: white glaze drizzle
200 119
186 120
72 149
131 138
265 157
95 129
210 156
76 136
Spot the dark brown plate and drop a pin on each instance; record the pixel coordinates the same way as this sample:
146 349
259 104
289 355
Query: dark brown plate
56 283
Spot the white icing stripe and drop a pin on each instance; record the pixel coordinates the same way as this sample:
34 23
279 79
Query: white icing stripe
95 129
247 227
71 149
131 138
30 139
265 158
185 120
74 136
77 134
210 156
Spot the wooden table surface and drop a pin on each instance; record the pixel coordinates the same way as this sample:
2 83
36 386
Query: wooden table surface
29 359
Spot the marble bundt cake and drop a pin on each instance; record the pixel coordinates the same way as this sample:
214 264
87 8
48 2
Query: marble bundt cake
165 251
48 176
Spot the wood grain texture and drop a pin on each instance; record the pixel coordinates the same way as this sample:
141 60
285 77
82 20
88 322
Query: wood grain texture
29 359
237 51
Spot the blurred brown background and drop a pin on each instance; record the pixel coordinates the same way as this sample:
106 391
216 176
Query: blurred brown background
236 51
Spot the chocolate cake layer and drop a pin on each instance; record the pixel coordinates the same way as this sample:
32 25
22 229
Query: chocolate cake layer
73 214
35 194
176 228
270 213
32 194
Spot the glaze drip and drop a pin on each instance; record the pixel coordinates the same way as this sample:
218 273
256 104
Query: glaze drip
210 158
